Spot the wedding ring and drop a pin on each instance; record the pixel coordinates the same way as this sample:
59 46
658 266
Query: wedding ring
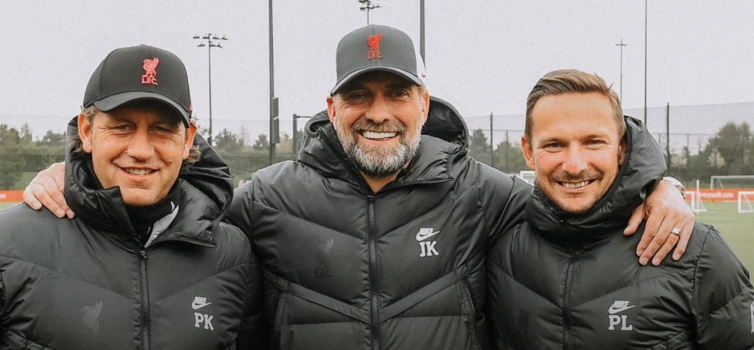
675 231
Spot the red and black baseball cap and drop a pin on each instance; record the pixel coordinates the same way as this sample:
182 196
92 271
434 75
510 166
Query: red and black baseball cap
377 47
140 72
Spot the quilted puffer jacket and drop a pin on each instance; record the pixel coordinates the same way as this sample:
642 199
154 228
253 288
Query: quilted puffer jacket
88 283
403 268
560 281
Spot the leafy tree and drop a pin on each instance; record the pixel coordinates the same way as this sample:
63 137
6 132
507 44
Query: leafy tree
508 158
12 163
243 135
479 149
25 137
227 142
52 139
734 144
261 143
285 145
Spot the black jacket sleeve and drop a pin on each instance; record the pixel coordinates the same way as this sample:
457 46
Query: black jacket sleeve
723 296
252 335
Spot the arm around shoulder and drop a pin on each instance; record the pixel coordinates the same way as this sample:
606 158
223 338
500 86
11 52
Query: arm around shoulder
504 199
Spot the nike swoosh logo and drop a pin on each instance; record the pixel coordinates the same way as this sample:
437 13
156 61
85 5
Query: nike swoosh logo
197 306
424 235
613 310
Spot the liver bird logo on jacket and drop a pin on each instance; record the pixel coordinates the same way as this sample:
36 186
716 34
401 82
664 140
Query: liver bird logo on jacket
323 260
374 46
90 316
150 71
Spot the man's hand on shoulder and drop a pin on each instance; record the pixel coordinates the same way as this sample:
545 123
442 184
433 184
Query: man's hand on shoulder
46 190
669 224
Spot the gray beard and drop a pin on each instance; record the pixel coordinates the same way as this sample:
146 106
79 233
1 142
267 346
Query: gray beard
379 161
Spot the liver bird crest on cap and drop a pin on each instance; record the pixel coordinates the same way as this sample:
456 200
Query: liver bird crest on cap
374 46
150 71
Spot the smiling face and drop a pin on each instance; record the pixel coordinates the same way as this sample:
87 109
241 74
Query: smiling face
575 148
378 118
137 147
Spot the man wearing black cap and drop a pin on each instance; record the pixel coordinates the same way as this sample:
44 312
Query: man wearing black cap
375 237
146 263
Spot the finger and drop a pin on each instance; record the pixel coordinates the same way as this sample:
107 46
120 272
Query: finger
57 172
54 189
37 193
634 221
684 239
648 244
654 250
665 249
30 199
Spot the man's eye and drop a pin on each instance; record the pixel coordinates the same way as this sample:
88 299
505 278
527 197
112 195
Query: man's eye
355 95
162 129
123 127
552 145
596 142
400 93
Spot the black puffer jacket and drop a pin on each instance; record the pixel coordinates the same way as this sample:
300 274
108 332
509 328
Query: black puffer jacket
573 282
346 268
88 283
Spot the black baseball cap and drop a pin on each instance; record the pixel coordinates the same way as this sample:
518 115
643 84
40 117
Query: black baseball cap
140 72
374 48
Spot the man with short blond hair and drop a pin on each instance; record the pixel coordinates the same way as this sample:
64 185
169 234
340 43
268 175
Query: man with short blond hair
565 277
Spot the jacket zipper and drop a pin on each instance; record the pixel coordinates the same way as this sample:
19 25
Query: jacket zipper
567 303
145 322
474 337
374 304
145 317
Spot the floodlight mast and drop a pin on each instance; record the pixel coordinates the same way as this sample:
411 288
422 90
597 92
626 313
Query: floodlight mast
367 6
212 41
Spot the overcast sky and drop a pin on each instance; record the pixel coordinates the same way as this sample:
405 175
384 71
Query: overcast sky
482 56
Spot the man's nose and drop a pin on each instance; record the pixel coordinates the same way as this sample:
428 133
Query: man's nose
575 161
140 145
379 110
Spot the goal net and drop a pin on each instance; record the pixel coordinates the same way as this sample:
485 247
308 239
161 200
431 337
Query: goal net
695 197
527 175
731 181
746 201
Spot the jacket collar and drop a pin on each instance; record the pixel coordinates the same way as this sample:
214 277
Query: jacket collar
444 140
202 206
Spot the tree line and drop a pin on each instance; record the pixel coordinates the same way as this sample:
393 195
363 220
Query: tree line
729 152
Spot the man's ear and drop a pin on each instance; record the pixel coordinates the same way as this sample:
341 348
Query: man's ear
526 148
425 105
622 152
85 132
189 139
331 108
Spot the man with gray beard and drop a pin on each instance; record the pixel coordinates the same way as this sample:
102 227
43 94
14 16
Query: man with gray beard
375 237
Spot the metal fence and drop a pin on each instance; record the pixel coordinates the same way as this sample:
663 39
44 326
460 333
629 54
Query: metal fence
681 126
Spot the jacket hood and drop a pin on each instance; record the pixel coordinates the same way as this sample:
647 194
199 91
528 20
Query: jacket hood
203 203
643 167
444 138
